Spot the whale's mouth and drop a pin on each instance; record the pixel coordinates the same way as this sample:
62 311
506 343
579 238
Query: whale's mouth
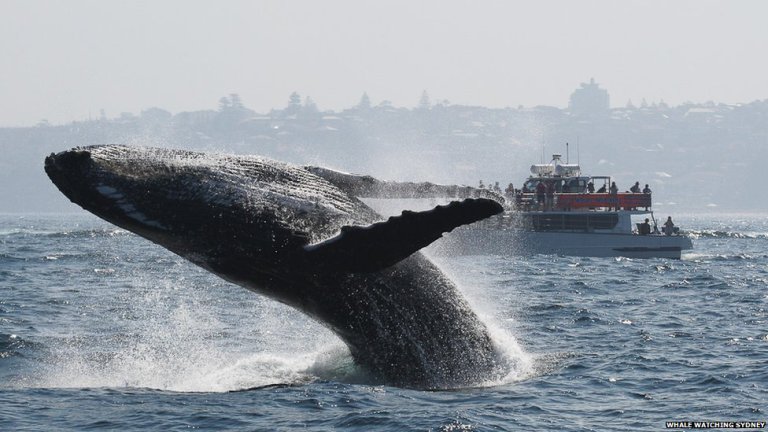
69 171
79 179
70 161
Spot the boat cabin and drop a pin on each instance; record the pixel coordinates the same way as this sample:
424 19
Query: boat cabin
561 187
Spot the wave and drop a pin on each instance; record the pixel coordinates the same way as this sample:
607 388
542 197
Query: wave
698 256
86 233
195 372
697 234
209 370
41 256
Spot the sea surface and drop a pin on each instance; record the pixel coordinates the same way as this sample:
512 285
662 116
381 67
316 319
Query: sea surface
100 330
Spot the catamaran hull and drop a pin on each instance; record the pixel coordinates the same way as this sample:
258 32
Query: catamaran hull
483 241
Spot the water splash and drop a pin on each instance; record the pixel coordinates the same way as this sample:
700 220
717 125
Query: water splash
515 363
187 332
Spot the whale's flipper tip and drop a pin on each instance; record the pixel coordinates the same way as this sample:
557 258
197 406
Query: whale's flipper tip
377 246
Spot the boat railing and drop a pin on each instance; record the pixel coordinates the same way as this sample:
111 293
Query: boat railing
575 201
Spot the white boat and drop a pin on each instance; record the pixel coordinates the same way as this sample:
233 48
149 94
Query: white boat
567 216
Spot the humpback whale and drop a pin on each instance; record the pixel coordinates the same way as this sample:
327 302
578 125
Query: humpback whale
302 236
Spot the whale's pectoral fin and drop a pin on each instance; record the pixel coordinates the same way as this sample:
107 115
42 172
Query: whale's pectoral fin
377 246
364 186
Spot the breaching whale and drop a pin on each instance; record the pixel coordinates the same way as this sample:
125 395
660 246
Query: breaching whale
301 236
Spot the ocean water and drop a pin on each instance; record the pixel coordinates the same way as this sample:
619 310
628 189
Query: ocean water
100 329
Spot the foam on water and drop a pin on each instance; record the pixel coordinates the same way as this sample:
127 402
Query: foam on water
194 371
186 351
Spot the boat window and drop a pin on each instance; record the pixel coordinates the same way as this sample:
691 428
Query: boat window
572 222
577 185
531 184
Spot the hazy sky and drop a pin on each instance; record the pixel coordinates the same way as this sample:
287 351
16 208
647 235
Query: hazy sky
66 60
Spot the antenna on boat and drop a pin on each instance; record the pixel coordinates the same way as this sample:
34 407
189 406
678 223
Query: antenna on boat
567 153
578 156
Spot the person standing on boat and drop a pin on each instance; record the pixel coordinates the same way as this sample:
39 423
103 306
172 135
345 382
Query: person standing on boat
647 191
550 196
614 191
669 226
635 188
540 192
509 192
590 187
644 228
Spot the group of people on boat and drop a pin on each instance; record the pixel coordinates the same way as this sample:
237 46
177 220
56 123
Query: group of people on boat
645 227
636 188
540 193
590 188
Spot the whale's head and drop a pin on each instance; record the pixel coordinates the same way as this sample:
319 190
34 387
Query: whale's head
204 206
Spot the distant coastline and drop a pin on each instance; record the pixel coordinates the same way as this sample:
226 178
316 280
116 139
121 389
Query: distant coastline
700 157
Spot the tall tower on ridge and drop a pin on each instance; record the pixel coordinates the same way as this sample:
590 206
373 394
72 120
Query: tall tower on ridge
589 100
